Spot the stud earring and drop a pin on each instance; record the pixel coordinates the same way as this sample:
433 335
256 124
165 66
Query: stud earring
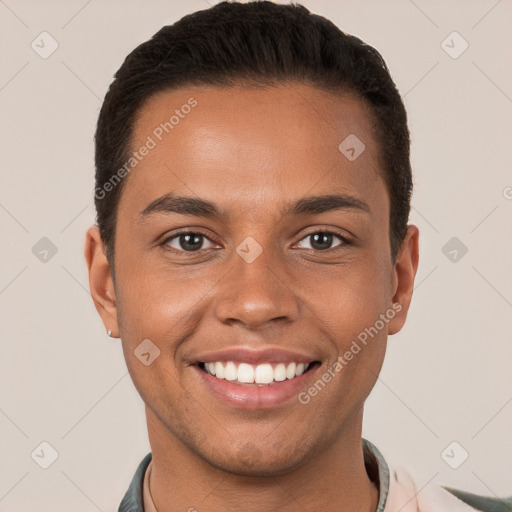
109 333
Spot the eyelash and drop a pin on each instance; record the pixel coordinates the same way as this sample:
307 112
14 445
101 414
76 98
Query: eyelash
345 241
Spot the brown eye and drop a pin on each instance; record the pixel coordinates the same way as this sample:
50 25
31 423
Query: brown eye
323 240
188 242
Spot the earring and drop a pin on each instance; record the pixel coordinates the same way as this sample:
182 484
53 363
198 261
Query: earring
109 333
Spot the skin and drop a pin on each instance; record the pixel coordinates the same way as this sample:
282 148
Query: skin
251 152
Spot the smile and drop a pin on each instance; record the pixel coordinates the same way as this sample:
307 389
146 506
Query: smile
261 374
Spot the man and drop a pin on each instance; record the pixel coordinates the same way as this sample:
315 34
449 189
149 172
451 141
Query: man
252 252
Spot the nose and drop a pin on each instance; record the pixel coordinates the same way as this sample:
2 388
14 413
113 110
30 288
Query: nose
256 294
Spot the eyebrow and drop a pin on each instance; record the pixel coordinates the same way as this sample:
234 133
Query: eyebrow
183 205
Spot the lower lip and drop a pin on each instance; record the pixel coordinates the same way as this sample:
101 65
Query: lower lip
253 396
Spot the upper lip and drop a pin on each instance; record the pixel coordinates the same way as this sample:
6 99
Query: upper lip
254 356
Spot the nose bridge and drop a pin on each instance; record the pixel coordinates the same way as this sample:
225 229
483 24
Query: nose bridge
254 291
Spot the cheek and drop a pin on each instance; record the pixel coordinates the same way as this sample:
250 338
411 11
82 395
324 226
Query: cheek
353 298
155 302
154 317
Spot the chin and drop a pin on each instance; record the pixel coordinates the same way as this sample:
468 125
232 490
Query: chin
251 460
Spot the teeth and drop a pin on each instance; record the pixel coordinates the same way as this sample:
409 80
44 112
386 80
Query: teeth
259 374
290 371
263 374
230 372
280 372
219 370
245 373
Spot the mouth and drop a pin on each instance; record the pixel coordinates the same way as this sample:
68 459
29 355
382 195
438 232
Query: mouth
264 374
263 386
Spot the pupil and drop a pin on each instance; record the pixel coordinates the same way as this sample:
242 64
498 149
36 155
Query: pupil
321 240
191 241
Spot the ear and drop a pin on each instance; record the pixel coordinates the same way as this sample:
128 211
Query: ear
404 272
100 280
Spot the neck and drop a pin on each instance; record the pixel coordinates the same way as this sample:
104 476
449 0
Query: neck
333 480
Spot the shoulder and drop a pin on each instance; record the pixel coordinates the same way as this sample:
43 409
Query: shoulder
404 492
483 503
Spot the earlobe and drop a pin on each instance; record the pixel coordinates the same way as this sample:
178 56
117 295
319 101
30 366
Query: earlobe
404 273
100 280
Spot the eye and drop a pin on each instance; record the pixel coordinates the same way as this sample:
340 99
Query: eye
188 241
322 240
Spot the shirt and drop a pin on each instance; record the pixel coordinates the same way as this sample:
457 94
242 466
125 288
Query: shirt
397 491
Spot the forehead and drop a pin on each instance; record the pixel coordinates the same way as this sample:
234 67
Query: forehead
242 146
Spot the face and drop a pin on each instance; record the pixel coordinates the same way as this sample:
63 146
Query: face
279 263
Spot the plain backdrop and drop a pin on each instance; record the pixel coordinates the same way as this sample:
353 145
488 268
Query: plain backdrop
447 375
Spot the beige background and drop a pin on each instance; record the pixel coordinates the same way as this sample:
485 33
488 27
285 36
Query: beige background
447 374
